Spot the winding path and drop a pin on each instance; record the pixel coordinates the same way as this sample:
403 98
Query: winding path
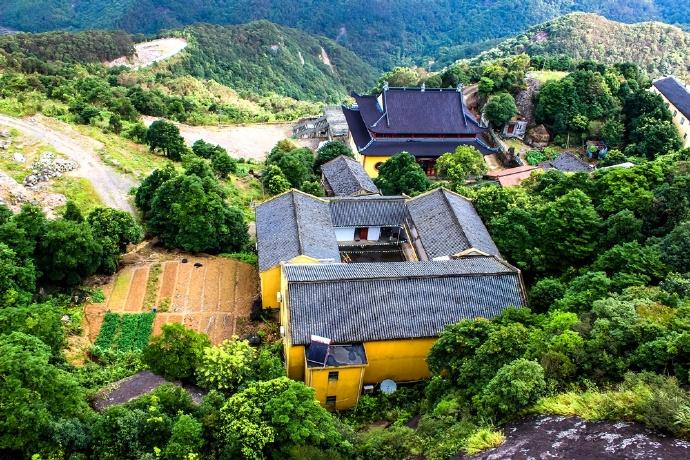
112 186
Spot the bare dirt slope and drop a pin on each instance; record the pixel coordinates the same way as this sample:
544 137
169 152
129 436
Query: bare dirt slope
547 437
111 186
242 141
148 53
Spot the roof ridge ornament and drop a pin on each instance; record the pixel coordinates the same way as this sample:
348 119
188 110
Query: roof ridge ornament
423 87
385 86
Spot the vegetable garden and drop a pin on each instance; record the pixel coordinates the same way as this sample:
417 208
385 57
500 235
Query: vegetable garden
125 332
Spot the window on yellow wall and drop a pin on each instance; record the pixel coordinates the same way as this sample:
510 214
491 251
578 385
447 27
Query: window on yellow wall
333 375
330 400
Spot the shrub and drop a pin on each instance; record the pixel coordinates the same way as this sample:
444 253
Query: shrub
515 386
395 443
176 352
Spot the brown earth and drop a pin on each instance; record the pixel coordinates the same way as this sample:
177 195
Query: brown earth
213 297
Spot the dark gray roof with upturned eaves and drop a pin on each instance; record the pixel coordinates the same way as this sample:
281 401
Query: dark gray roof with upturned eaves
294 224
364 211
386 301
347 177
447 224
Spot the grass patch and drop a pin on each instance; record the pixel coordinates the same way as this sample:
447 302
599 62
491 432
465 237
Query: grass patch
483 439
246 257
548 75
122 154
155 271
78 189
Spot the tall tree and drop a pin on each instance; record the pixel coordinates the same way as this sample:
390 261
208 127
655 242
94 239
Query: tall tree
401 174
163 136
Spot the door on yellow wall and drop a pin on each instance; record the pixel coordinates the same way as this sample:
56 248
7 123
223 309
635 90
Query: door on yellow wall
332 383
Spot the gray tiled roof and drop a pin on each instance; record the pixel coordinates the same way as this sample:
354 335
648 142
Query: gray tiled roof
346 177
342 271
676 93
447 224
293 224
399 301
374 210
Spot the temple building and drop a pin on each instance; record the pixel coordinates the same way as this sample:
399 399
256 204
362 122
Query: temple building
423 122
365 284
677 97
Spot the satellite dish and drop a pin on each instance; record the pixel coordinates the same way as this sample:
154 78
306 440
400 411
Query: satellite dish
388 386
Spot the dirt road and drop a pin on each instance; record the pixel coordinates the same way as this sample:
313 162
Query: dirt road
241 141
111 186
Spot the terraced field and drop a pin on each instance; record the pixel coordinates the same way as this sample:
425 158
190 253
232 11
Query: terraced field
209 294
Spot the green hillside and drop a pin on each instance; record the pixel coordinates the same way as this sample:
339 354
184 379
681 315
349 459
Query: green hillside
384 33
261 57
657 48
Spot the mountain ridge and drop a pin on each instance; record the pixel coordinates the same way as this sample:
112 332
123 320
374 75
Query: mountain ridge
659 48
383 33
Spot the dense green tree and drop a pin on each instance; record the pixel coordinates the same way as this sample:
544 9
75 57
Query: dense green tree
613 133
619 189
460 165
205 149
515 386
570 222
164 137
329 151
17 278
545 293
147 190
274 180
186 438
176 352
226 367
582 291
622 227
399 77
67 252
296 164
401 174
269 418
190 213
457 345
312 187
223 165
72 212
500 109
632 258
114 230
42 321
653 137
675 248
35 395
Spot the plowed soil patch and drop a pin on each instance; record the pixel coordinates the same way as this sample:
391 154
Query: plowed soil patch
213 297
137 290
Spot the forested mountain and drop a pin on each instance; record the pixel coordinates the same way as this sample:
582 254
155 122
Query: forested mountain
383 32
658 48
258 59
261 57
